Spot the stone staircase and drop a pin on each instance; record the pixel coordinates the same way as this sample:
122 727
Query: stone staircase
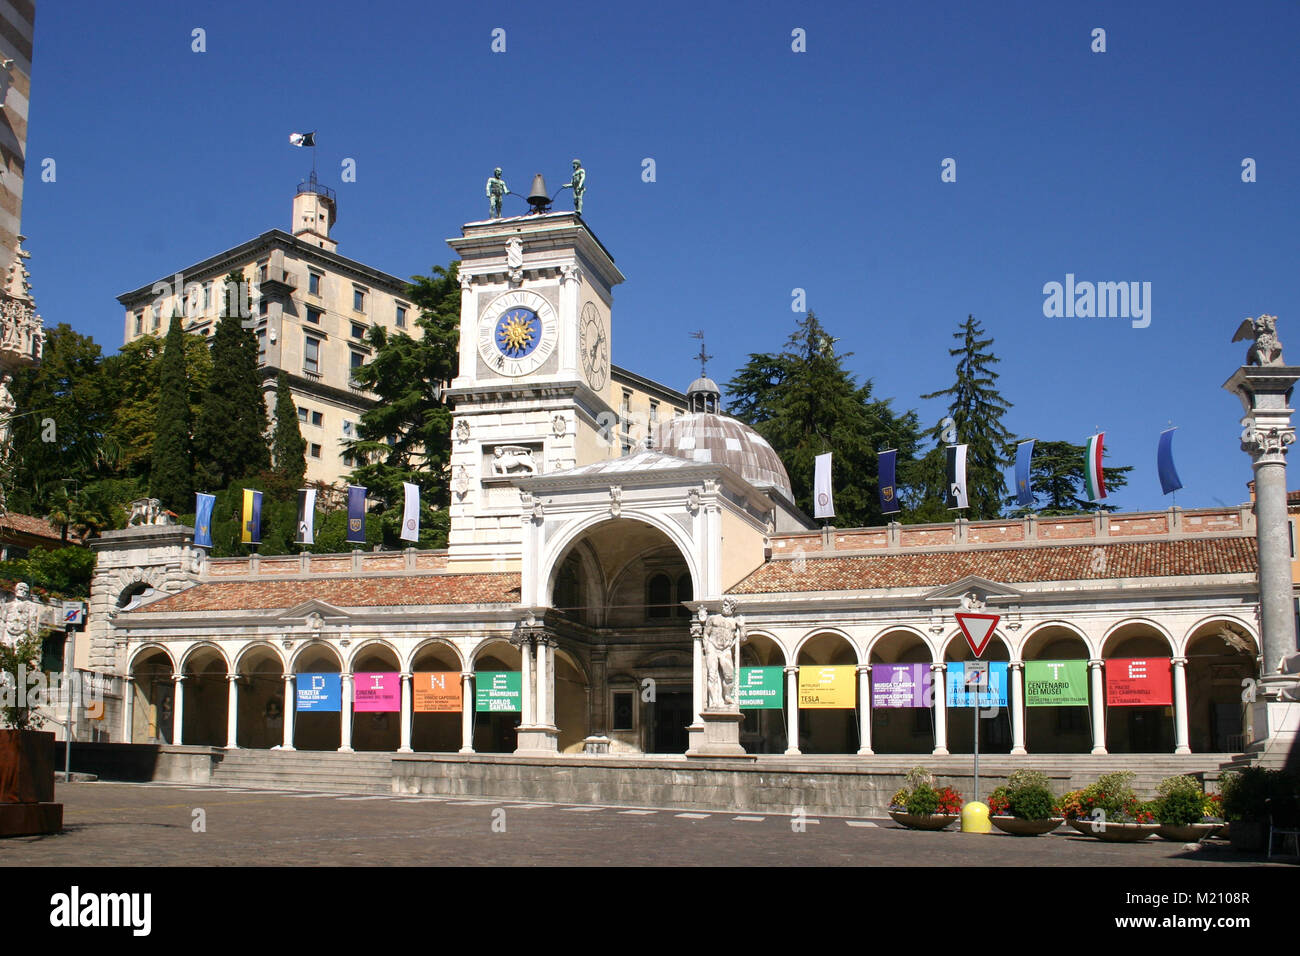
303 770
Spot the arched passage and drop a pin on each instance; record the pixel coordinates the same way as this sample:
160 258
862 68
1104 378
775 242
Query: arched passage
261 698
206 697
154 693
764 729
316 730
995 728
1138 729
572 702
379 729
901 730
495 733
828 730
1065 729
1222 659
437 732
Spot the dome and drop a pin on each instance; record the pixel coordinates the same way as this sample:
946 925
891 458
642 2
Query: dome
703 385
705 437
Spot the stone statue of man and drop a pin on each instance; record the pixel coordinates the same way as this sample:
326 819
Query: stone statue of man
21 616
578 184
722 633
496 191
7 408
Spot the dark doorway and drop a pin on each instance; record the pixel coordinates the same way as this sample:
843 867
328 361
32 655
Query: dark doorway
670 713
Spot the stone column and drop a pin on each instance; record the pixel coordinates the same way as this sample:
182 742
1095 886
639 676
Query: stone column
128 709
404 745
1015 671
697 671
940 690
345 713
544 688
178 709
792 709
1180 706
467 712
864 709
289 711
232 712
1097 706
527 717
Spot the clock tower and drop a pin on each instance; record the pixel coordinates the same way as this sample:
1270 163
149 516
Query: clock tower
533 389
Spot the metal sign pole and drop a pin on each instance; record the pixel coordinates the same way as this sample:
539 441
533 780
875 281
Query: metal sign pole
976 794
67 689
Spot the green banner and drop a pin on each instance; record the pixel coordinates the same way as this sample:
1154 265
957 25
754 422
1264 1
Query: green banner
498 691
1056 683
762 688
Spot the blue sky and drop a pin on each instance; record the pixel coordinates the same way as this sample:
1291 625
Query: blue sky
775 170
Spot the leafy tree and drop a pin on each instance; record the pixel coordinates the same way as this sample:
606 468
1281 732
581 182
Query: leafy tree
976 407
288 447
230 440
804 403
172 473
406 436
65 571
1058 475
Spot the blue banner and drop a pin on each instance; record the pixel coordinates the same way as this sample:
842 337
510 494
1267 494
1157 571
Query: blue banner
319 692
1165 463
356 515
995 696
888 489
1024 489
203 519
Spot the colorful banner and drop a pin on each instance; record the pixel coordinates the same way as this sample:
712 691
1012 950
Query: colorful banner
203 519
377 693
995 696
498 691
901 685
1139 681
437 692
1094 471
762 688
1024 458
319 692
828 688
251 532
356 515
1056 683
888 489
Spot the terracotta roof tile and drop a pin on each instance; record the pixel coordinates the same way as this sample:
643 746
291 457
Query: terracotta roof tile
411 589
39 527
1136 559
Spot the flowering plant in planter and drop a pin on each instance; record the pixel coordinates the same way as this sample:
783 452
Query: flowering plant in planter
1026 796
921 798
1182 802
1111 798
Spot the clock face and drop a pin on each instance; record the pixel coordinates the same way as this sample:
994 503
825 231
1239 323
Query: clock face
517 333
594 347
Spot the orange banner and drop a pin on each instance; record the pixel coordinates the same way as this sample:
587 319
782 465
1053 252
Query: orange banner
437 692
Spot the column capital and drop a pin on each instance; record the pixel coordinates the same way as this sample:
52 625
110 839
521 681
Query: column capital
940 666
466 675
404 675
177 678
346 675
1094 664
1180 661
127 678
791 668
288 677
1015 665
864 668
233 677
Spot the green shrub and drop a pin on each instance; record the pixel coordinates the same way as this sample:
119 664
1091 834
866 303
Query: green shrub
1250 794
1020 779
1031 802
923 800
1179 808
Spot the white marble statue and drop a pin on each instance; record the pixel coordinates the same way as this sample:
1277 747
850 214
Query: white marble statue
21 616
723 634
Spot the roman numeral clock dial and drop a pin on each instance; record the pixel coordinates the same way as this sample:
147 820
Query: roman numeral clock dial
594 346
517 333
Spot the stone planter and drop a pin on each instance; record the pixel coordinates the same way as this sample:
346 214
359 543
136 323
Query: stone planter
1018 827
27 804
934 821
1116 832
1189 833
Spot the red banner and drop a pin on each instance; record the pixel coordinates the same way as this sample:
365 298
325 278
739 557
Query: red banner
1139 681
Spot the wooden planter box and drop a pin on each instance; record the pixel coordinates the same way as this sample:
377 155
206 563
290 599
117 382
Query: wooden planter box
27 804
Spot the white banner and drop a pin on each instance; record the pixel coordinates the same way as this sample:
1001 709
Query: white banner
411 513
823 497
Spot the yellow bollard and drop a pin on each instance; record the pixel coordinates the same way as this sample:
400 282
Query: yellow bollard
975 818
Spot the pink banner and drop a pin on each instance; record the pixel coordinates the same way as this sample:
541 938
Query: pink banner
377 693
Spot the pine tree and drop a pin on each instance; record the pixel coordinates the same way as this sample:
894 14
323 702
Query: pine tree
171 475
976 408
230 441
804 403
288 447
1058 477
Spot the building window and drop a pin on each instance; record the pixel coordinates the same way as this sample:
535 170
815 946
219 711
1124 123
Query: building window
311 356
139 322
358 300
315 450
401 316
157 319
358 331
623 710
302 414
358 360
261 346
313 315
263 306
313 282
261 272
348 461
317 419
207 295
654 411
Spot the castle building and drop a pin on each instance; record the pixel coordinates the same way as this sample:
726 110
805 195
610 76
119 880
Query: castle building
585 539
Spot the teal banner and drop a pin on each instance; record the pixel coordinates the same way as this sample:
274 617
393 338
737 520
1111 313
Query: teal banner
762 688
498 692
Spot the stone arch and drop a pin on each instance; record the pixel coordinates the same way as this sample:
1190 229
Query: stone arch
555 550
873 643
826 730
430 645
368 646
376 730
151 667
1148 729
1112 641
206 696
437 732
495 732
995 731
901 730
261 668
1058 729
313 730
129 586
1220 679
1041 635
817 632
764 731
572 700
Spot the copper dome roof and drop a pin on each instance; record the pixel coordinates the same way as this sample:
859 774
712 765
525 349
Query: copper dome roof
705 437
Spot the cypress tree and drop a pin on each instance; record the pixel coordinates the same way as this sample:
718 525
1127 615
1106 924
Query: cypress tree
288 447
230 441
172 470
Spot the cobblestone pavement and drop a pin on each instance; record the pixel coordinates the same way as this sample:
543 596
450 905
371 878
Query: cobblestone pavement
154 824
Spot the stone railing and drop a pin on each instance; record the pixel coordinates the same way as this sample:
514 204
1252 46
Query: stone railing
355 562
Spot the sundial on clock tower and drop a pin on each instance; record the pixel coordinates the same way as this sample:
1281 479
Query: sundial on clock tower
517 332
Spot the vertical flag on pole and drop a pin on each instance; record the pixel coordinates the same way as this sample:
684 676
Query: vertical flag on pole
956 497
252 517
203 505
823 500
1024 490
306 517
411 513
1096 477
356 515
1165 463
888 490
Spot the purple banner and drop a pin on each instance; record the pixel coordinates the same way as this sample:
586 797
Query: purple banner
900 685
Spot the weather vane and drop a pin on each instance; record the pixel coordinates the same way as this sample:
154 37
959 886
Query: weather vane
703 356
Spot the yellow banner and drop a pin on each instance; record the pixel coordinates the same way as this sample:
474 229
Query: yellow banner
828 687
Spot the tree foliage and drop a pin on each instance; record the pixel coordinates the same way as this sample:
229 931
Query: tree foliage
1058 476
288 447
171 475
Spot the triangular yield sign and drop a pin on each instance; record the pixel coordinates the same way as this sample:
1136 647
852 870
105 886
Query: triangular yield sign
977 628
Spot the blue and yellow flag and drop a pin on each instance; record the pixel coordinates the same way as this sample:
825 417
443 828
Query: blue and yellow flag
252 518
203 505
888 489
356 514
1024 490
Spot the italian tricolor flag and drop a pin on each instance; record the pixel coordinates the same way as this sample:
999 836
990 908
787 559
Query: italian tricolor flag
1096 478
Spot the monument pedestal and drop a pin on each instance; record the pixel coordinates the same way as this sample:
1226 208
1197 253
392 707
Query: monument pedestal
718 735
537 741
27 806
1275 724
